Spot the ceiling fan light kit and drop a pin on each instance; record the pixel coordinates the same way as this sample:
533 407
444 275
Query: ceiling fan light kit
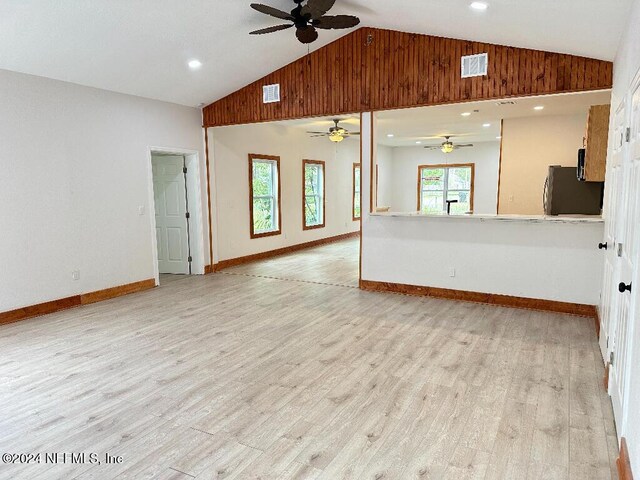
306 19
336 133
336 137
448 146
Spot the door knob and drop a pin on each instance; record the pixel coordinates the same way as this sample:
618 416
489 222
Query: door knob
602 246
623 287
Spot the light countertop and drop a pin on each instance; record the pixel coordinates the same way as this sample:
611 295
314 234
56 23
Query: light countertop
499 218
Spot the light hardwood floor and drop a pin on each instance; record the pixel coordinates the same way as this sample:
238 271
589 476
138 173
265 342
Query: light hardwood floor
332 264
167 278
242 377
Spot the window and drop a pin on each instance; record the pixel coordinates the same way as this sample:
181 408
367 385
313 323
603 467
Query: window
264 197
439 183
313 196
356 192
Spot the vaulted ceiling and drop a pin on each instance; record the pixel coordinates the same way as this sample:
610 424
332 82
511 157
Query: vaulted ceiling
142 47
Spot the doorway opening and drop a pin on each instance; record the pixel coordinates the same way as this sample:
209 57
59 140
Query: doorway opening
291 195
177 219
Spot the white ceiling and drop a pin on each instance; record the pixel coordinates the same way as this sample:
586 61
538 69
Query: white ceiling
141 47
428 124
319 124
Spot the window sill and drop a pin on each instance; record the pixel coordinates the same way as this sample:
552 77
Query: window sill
313 227
265 234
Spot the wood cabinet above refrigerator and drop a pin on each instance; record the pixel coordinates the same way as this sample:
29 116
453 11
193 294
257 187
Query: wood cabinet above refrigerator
595 142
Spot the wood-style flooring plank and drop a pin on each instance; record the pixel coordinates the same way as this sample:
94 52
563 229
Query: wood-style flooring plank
272 371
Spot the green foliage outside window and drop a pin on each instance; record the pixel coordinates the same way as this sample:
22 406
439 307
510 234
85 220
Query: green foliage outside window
441 184
264 190
356 193
313 193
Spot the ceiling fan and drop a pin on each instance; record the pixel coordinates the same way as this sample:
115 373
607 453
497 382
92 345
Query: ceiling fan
336 133
448 146
306 19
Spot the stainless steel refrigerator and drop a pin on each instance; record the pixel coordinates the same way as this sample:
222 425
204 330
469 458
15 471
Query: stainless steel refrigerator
564 194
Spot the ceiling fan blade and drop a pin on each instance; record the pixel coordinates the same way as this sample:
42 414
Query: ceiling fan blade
433 147
446 136
317 133
322 135
317 8
329 22
307 34
352 133
465 145
271 29
274 12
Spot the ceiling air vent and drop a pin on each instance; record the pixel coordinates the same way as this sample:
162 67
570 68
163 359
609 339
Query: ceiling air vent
506 102
271 93
475 65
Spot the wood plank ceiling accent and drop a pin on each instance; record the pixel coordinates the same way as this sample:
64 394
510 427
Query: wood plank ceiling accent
372 69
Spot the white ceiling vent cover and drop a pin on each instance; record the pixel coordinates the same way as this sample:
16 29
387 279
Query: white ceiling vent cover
271 93
475 65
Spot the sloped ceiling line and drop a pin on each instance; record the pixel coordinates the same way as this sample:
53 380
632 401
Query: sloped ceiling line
373 69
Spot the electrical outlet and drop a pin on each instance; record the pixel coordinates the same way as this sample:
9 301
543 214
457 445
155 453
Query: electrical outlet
75 274
511 198
141 210
452 272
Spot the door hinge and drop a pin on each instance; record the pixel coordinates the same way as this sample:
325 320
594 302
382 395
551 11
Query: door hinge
184 170
611 358
190 259
627 135
188 215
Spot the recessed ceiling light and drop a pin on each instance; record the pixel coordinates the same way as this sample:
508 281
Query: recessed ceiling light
194 64
486 125
466 114
498 137
419 142
539 107
479 6
390 135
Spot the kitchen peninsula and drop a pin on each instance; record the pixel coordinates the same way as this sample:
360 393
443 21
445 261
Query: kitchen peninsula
553 259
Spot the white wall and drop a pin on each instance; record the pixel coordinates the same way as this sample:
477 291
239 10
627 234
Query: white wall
550 261
398 170
229 148
626 64
75 168
529 146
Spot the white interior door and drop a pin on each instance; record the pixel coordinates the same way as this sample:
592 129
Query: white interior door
613 226
628 252
169 190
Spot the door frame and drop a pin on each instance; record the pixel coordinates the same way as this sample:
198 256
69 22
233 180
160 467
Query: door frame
613 228
633 199
194 196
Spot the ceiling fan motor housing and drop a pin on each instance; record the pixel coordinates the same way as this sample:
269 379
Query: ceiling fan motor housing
307 19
